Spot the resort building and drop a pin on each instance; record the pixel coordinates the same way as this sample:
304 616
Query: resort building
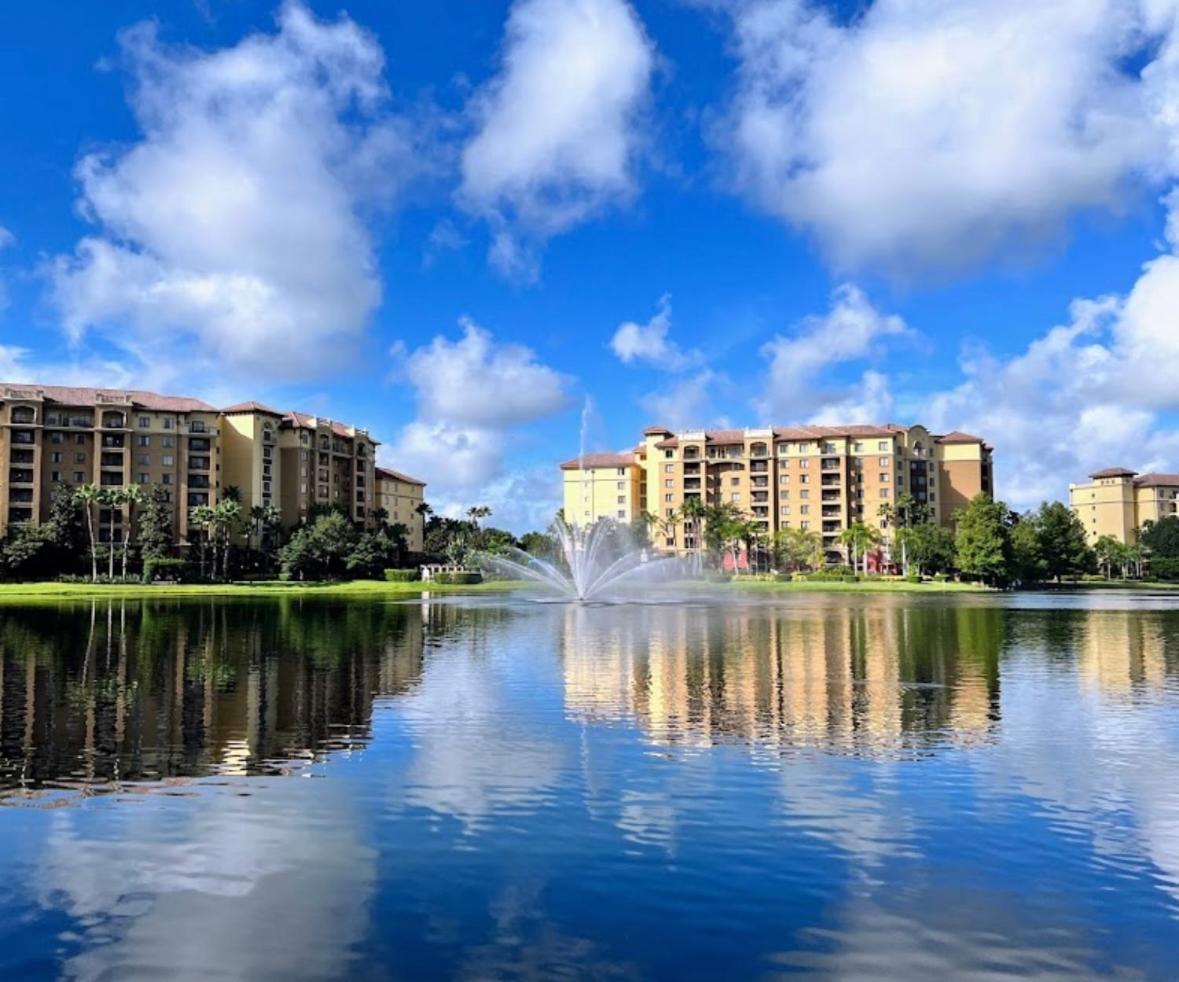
293 461
813 477
402 496
1118 502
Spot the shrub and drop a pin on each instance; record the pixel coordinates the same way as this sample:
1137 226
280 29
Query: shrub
165 570
913 578
1162 568
401 575
837 574
940 578
457 579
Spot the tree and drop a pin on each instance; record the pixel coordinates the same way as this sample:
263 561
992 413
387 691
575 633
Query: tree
202 518
694 511
1110 552
983 540
132 497
320 549
112 500
929 547
1161 539
859 538
797 548
155 523
1027 562
907 512
1064 547
88 495
542 545
227 519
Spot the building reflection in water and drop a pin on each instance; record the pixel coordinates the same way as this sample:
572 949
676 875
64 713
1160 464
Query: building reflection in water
857 679
122 692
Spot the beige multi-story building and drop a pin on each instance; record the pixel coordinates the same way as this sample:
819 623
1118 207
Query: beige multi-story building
1118 502
821 478
402 496
51 435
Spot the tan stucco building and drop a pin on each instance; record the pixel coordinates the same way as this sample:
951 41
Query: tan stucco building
402 496
112 438
814 477
1118 502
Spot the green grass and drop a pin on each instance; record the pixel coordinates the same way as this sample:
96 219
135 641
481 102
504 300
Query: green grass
1112 585
16 593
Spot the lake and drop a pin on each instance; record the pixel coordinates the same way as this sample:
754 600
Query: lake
841 785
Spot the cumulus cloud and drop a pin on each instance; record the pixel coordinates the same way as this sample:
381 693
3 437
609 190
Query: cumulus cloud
558 128
688 403
926 136
852 330
473 395
234 231
651 343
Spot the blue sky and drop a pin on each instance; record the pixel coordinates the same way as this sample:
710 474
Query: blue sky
473 225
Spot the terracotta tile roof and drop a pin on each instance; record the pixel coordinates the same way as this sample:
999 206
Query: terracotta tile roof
592 460
251 407
1112 472
71 395
398 476
656 431
1157 481
957 436
853 430
305 421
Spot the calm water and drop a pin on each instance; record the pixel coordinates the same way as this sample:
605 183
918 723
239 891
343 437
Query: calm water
847 786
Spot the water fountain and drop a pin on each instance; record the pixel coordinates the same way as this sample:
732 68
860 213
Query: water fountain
598 560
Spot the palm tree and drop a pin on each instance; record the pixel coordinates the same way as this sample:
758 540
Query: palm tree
693 511
798 547
112 500
227 516
202 517
88 495
859 540
132 497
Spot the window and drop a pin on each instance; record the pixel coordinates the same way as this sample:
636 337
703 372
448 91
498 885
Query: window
80 457
804 495
144 478
143 459
804 463
784 479
167 441
804 479
668 454
621 513
144 422
620 486
884 492
735 496
80 439
784 510
804 509
622 499
669 468
55 457
622 472
735 482
169 460
55 437
669 497
858 446
884 461
144 440
55 476
169 422
669 483
883 446
804 524
785 496
167 478
828 448
884 476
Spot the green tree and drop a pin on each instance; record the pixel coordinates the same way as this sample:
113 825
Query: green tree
1064 547
694 511
1161 539
983 540
930 548
1110 554
1027 562
907 512
320 549
88 496
859 538
796 548
155 523
132 497
227 519
112 500
202 518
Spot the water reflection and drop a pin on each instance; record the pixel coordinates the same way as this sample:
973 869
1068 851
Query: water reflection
851 679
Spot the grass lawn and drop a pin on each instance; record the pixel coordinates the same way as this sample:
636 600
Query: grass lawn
17 593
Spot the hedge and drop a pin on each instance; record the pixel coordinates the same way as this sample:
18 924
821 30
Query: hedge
168 570
401 575
457 579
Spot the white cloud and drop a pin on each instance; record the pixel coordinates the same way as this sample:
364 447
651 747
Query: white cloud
233 233
473 398
853 330
926 135
558 129
650 342
686 403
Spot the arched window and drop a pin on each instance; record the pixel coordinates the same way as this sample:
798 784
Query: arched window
23 414
113 421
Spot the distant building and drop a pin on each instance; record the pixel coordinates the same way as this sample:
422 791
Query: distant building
821 478
1118 502
401 496
114 438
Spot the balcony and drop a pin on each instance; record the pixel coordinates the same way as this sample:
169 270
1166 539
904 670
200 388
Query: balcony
199 445
19 516
111 479
691 484
759 467
759 497
198 463
21 496
116 441
21 456
23 416
114 421
759 450
691 469
111 460
197 426
831 480
828 465
20 475
832 513
198 481
832 496
760 482
25 437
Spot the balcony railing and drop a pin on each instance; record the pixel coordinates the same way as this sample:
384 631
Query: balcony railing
20 475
